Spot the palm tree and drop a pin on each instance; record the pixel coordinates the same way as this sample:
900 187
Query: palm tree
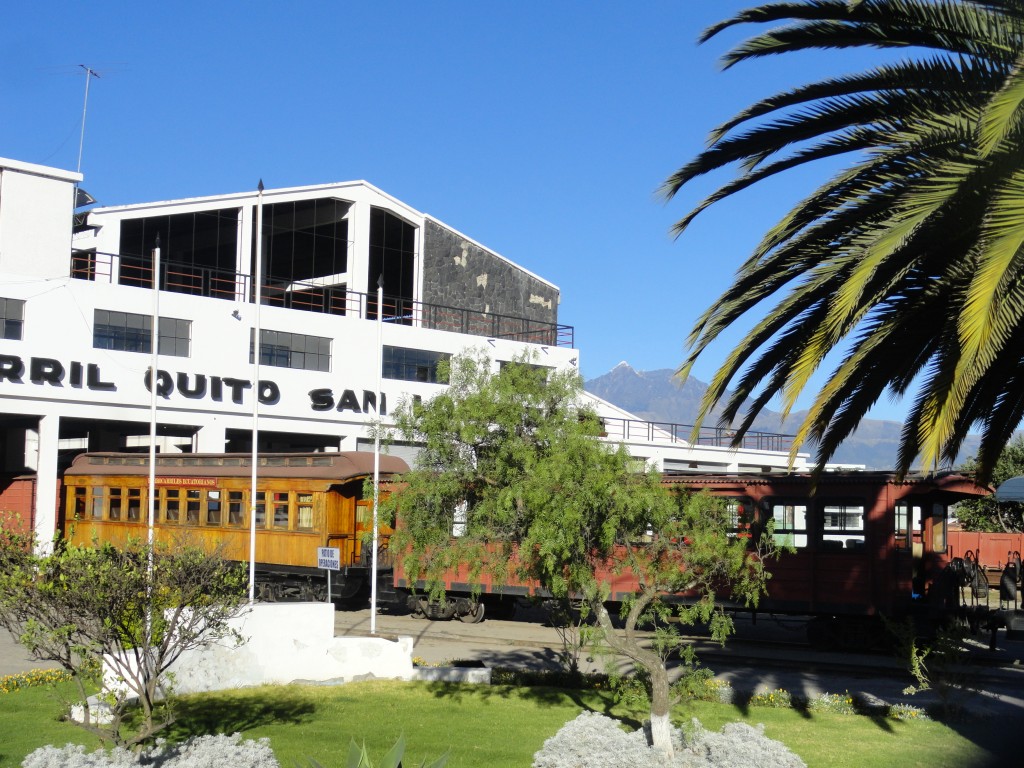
910 260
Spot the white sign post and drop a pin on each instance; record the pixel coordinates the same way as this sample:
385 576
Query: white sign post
329 559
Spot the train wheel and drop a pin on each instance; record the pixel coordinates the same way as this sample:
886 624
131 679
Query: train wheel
419 609
475 615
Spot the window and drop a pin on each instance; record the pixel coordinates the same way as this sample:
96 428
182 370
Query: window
193 502
135 505
907 524
406 364
293 350
261 510
12 318
790 523
213 508
939 526
842 525
129 332
741 515
280 509
114 513
172 505
236 508
305 510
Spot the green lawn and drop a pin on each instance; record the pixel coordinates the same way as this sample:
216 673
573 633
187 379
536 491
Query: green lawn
486 726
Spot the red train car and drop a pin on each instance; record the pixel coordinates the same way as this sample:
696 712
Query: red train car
865 545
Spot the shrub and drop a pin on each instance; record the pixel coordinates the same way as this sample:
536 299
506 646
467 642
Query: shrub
196 752
597 741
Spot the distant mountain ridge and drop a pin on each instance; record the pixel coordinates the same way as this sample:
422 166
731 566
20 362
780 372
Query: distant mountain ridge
657 396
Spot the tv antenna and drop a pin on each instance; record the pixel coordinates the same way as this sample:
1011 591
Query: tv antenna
90 73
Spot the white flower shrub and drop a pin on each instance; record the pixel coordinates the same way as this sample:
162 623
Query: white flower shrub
595 741
197 752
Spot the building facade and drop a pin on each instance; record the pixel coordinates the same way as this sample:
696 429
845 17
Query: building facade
77 310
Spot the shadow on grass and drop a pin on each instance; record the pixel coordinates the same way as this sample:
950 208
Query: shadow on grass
214 713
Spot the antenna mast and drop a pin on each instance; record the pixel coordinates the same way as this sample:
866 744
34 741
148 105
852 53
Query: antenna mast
89 75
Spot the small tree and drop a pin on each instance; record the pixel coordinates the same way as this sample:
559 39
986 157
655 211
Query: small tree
987 514
512 480
139 608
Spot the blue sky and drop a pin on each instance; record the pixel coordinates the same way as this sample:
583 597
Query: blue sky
542 130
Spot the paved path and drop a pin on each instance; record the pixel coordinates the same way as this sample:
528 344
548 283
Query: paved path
14 658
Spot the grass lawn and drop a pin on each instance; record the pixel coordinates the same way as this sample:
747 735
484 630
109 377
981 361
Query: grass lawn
487 726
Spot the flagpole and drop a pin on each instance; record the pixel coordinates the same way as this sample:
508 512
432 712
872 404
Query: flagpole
376 455
154 383
256 393
154 379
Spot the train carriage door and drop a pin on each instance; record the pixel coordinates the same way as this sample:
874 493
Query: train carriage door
341 523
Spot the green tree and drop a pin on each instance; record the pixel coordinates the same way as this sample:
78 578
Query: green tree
513 481
82 606
987 514
909 258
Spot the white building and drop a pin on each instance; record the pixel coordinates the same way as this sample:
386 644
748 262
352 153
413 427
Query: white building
76 306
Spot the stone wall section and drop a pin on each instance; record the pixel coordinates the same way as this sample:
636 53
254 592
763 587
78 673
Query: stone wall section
459 273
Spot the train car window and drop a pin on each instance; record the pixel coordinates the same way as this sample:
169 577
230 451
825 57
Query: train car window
97 503
261 510
939 526
842 525
134 505
114 511
193 502
79 502
790 523
236 508
280 509
172 505
741 512
305 511
213 508
908 524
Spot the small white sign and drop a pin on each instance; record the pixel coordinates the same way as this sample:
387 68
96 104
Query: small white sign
328 558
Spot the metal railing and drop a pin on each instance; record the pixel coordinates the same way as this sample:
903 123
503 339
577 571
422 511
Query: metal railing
626 430
309 296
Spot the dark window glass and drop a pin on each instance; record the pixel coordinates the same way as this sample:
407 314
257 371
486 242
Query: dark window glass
293 350
407 364
130 332
12 318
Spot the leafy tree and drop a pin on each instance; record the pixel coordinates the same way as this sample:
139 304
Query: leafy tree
911 254
80 606
987 514
512 465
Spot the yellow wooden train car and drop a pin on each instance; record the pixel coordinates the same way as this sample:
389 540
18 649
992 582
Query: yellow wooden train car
304 501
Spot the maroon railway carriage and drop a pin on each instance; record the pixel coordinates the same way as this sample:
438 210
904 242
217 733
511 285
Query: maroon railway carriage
865 545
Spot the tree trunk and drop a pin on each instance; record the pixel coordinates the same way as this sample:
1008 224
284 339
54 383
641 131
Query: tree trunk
628 645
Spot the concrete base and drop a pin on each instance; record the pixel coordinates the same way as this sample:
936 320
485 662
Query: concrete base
292 642
479 675
287 643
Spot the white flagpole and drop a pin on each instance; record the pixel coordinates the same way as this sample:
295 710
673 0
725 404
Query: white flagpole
154 381
376 455
154 341
256 393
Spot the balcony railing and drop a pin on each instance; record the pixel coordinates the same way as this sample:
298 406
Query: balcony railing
626 430
309 296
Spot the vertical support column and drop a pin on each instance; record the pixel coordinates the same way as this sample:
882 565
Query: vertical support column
211 438
359 265
46 481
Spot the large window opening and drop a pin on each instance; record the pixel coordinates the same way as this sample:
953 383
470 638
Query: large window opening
305 254
393 255
790 522
198 252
